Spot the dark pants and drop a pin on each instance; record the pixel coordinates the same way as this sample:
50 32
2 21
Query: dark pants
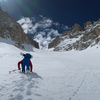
25 62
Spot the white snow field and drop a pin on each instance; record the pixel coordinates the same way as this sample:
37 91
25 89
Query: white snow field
71 75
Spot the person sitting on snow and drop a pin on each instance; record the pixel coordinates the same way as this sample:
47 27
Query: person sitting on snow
25 62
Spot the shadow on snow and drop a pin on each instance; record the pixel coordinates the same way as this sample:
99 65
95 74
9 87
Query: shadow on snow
33 75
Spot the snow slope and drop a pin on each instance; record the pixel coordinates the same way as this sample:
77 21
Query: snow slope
72 75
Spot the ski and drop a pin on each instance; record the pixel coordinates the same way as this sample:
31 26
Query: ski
14 70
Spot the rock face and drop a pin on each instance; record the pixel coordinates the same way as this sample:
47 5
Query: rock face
9 28
78 38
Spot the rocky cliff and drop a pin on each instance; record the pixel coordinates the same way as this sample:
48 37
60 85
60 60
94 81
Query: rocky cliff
9 28
78 38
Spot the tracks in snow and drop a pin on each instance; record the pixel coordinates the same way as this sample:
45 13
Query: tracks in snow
21 87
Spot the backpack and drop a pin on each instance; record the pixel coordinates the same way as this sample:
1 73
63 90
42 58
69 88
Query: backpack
27 55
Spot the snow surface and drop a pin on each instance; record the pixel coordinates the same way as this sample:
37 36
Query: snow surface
72 75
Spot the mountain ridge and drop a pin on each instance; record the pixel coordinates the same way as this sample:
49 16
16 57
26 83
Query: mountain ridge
78 38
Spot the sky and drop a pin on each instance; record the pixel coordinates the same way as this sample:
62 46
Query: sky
67 12
43 31
43 20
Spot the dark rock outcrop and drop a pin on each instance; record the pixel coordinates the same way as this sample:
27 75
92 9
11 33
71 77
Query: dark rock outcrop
9 28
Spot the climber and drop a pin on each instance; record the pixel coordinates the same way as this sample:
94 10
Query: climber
25 62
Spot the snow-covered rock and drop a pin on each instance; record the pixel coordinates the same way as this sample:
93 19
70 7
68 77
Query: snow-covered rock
78 38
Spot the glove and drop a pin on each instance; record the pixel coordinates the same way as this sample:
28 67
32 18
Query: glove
19 68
